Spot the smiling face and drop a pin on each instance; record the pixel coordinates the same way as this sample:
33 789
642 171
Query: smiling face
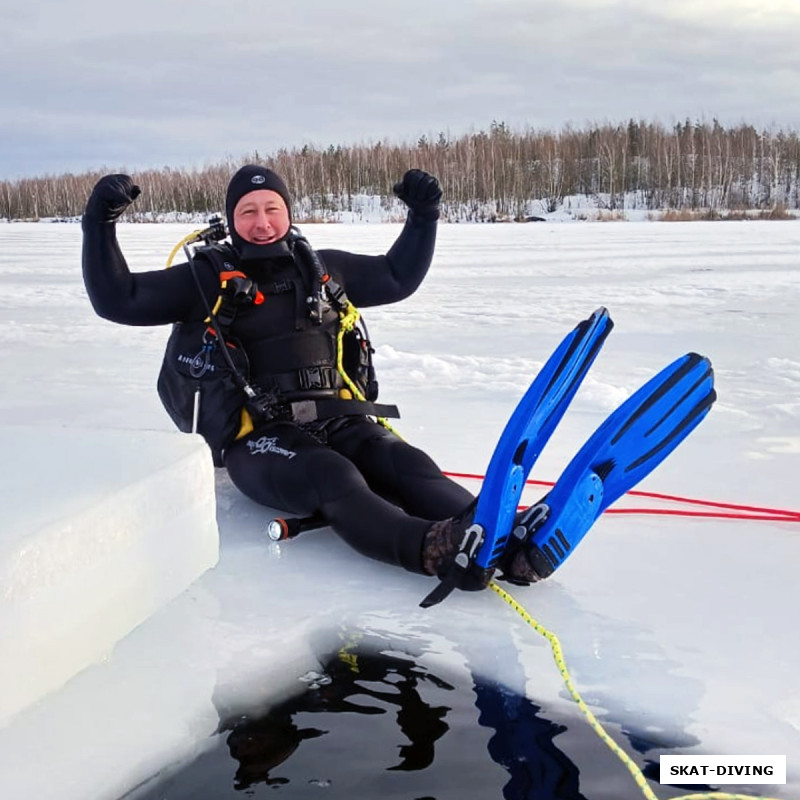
261 217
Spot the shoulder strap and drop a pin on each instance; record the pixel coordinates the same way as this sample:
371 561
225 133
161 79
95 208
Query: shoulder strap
220 254
235 287
321 281
239 376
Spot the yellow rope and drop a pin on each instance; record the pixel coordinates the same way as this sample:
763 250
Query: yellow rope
347 321
558 655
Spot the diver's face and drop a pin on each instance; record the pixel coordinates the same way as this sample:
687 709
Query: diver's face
261 217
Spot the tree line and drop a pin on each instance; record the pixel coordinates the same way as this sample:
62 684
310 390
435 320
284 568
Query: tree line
494 173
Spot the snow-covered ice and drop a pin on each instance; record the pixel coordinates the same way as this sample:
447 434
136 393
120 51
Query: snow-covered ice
679 632
99 530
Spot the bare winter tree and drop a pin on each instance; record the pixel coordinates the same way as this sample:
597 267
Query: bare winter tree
490 174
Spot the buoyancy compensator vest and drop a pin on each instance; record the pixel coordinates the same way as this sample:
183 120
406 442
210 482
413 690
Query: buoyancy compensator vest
205 381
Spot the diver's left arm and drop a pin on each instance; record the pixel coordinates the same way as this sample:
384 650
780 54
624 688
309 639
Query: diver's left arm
377 280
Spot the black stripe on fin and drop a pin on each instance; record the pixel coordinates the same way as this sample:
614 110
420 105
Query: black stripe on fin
684 426
709 373
692 360
581 330
603 469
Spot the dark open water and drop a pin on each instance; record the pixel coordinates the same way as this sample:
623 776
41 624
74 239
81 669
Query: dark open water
377 722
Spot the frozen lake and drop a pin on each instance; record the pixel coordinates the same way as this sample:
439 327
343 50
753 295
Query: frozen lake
680 632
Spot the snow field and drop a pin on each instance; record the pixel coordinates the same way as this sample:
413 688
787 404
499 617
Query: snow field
679 633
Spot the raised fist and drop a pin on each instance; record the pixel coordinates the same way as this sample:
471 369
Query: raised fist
110 197
421 192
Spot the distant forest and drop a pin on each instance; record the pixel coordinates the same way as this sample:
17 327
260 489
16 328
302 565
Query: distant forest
494 174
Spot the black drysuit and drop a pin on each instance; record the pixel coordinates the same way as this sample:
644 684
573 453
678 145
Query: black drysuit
377 492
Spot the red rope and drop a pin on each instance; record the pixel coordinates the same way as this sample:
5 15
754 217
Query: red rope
727 510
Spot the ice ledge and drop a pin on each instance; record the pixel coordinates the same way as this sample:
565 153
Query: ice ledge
98 530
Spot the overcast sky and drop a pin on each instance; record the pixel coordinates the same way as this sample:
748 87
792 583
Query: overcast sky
92 84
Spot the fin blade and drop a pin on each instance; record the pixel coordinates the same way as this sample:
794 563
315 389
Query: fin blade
626 447
655 420
530 427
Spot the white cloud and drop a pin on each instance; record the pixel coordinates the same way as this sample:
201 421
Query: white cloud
733 13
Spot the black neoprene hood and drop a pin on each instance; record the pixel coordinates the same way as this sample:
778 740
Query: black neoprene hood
252 178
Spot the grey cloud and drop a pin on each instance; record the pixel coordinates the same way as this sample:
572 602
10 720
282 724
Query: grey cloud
170 83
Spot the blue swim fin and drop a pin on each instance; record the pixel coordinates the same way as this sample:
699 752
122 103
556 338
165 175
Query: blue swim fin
530 426
631 442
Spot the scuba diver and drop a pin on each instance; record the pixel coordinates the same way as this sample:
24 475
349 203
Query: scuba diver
305 440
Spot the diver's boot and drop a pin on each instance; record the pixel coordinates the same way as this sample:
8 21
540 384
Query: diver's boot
448 552
443 540
515 563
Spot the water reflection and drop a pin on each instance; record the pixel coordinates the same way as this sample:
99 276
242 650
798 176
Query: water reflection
354 682
401 715
524 744
371 676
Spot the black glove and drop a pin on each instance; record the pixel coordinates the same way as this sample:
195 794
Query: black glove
110 197
421 192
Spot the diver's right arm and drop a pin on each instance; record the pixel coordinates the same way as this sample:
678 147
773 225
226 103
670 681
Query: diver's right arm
144 298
